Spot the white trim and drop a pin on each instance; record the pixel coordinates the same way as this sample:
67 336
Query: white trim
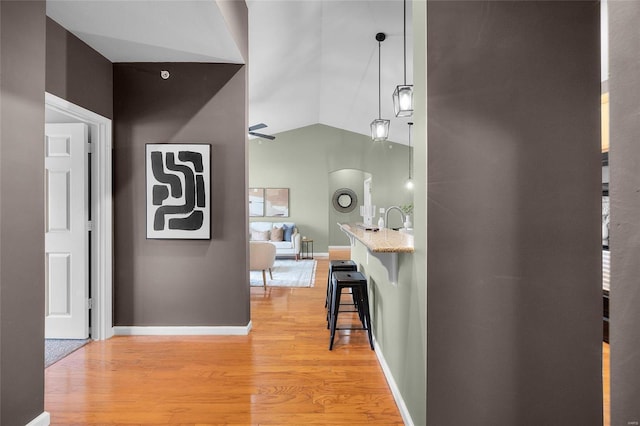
44 419
339 247
102 208
182 331
320 255
395 391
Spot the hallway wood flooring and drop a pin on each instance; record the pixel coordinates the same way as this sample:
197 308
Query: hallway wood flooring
281 373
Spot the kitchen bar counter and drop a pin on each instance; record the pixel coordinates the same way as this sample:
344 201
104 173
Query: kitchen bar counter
381 241
384 244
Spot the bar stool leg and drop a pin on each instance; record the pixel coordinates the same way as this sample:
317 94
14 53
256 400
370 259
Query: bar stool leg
326 300
367 315
355 296
328 303
335 305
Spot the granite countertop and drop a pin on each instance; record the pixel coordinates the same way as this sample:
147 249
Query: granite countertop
381 241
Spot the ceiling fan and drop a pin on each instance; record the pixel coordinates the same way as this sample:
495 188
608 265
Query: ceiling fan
259 126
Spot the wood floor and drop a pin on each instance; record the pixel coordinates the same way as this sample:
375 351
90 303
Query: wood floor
282 373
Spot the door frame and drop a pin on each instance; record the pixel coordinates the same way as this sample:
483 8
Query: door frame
102 213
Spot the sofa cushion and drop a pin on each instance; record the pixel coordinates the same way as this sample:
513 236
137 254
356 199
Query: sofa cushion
277 234
260 235
288 231
282 244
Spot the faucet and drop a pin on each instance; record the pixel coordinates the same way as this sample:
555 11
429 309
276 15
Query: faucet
386 215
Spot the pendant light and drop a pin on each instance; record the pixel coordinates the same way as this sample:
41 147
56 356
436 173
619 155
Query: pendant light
409 182
379 126
403 95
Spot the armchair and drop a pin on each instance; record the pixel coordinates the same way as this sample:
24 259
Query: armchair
262 255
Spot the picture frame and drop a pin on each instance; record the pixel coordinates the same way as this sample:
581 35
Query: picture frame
276 202
178 191
256 202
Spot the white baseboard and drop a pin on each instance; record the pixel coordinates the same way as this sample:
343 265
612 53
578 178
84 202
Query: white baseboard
402 407
43 419
321 255
339 247
182 331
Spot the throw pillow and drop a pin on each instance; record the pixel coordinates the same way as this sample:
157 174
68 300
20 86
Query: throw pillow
288 231
277 234
260 235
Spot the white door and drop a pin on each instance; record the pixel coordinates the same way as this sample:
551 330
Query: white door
66 234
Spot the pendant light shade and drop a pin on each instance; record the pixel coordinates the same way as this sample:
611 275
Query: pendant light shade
403 95
403 101
380 129
379 126
409 182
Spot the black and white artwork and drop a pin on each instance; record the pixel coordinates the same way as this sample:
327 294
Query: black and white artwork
178 191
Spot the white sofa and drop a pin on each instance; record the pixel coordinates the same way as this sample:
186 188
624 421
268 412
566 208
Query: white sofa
283 248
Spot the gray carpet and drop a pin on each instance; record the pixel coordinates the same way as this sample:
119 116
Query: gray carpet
56 349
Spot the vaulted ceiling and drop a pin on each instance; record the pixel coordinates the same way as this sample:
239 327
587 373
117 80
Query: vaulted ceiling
310 61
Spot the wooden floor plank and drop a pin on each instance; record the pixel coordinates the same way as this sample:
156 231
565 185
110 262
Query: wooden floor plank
282 373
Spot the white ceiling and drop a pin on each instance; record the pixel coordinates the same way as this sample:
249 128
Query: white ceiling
149 30
310 61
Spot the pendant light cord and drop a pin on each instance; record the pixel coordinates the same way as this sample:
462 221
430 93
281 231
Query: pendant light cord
379 79
410 156
404 31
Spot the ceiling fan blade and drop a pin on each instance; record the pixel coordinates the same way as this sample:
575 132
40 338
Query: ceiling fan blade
260 135
257 127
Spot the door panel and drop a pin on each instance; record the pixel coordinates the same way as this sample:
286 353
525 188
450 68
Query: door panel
58 189
59 279
66 236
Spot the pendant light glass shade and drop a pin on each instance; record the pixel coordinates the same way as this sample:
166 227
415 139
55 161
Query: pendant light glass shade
380 129
403 95
403 101
409 183
379 126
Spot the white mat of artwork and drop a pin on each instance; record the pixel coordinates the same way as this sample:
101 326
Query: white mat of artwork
288 273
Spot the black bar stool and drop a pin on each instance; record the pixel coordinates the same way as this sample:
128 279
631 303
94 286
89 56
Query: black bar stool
357 283
336 265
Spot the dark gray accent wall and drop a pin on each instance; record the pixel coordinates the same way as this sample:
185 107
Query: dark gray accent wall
78 73
22 82
181 282
624 154
514 311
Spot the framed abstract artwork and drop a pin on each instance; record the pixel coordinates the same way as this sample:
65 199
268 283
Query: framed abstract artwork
276 202
256 202
178 178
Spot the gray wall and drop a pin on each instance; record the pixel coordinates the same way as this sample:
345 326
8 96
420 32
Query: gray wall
303 160
514 284
78 73
624 86
22 82
398 318
180 282
351 179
